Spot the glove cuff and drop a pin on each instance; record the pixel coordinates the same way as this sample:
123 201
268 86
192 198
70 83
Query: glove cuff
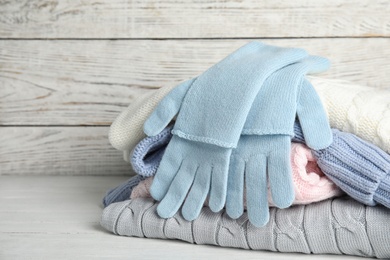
203 139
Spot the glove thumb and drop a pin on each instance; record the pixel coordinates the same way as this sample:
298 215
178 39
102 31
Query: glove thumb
313 119
167 109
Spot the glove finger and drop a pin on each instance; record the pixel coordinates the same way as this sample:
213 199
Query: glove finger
256 190
166 172
280 175
166 110
219 179
198 193
312 117
235 190
178 190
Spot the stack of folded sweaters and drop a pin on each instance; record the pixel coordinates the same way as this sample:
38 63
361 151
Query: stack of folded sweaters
253 154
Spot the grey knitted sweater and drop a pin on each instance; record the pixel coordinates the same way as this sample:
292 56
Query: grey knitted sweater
334 226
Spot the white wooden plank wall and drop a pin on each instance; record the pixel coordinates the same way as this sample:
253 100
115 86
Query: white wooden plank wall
193 19
67 68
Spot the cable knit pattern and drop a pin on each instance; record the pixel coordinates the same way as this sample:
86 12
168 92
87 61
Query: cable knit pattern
310 184
338 226
360 110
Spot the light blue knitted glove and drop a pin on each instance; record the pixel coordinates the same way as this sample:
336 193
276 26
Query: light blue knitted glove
211 114
254 158
315 123
263 151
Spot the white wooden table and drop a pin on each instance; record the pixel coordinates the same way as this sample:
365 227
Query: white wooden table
57 217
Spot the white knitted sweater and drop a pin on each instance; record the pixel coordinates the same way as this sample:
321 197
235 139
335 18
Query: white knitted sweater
361 110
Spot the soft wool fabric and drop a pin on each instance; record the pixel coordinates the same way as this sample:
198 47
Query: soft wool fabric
123 191
196 161
132 120
239 77
285 95
348 160
310 184
280 92
359 168
148 153
262 154
338 226
360 110
126 131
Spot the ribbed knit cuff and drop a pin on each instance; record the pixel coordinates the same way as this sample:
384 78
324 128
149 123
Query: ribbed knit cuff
382 194
148 153
358 167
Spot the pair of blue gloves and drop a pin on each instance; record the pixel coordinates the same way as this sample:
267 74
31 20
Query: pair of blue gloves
233 132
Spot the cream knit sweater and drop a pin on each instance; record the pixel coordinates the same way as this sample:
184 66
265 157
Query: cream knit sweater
361 110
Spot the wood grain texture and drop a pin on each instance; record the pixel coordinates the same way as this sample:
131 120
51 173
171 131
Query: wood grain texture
90 82
57 217
59 151
193 19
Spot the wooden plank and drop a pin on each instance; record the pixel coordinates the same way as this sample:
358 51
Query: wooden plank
99 244
39 203
59 151
13 187
65 225
33 202
90 82
193 19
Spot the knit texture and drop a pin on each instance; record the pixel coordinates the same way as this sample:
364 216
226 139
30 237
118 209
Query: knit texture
285 95
262 156
196 161
239 76
338 226
123 191
359 110
127 129
336 95
310 184
148 153
348 160
358 167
